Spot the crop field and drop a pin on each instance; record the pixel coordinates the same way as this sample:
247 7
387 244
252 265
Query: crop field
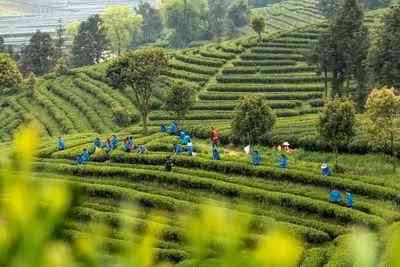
80 107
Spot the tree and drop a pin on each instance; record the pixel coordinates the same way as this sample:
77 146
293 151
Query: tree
253 120
40 54
2 46
90 42
322 56
385 56
217 11
60 41
138 70
180 99
382 120
336 123
238 13
10 77
152 25
121 24
258 25
352 42
329 8
73 29
187 20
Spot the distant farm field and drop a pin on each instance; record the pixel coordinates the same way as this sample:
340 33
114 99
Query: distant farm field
10 9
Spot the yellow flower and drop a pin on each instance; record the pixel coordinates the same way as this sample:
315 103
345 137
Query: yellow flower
279 249
26 142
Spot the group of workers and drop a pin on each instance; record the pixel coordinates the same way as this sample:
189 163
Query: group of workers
184 144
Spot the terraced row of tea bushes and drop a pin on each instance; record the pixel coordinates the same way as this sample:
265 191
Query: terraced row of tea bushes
197 60
304 204
55 112
212 52
259 88
119 191
272 96
272 62
307 79
177 65
90 113
259 56
229 167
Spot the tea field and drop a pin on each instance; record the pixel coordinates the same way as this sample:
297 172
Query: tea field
80 106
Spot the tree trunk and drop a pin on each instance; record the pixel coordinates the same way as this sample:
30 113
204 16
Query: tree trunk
259 38
326 81
335 83
336 156
394 158
145 120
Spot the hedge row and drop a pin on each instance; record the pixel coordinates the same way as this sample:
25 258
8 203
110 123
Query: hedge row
277 50
122 99
279 88
231 48
300 203
65 124
216 54
199 60
301 35
294 69
269 80
229 167
148 200
232 105
289 40
96 92
264 63
277 44
240 70
273 96
92 116
315 257
179 74
255 56
193 68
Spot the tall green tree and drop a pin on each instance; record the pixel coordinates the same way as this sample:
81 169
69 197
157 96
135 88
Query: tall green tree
186 19
336 123
382 120
10 77
90 42
180 99
217 12
2 46
121 24
343 49
60 40
152 25
385 55
258 25
137 71
329 8
39 55
253 120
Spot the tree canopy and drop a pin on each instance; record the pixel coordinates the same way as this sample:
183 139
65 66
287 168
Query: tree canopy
10 77
253 120
121 24
180 98
137 71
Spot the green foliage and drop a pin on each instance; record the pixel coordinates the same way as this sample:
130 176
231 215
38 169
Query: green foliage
61 67
30 84
336 123
138 70
217 11
180 98
382 120
253 120
329 8
152 25
10 77
39 55
2 46
121 25
186 19
258 24
385 55
90 42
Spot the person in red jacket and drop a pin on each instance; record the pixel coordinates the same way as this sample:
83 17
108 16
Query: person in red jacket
214 136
